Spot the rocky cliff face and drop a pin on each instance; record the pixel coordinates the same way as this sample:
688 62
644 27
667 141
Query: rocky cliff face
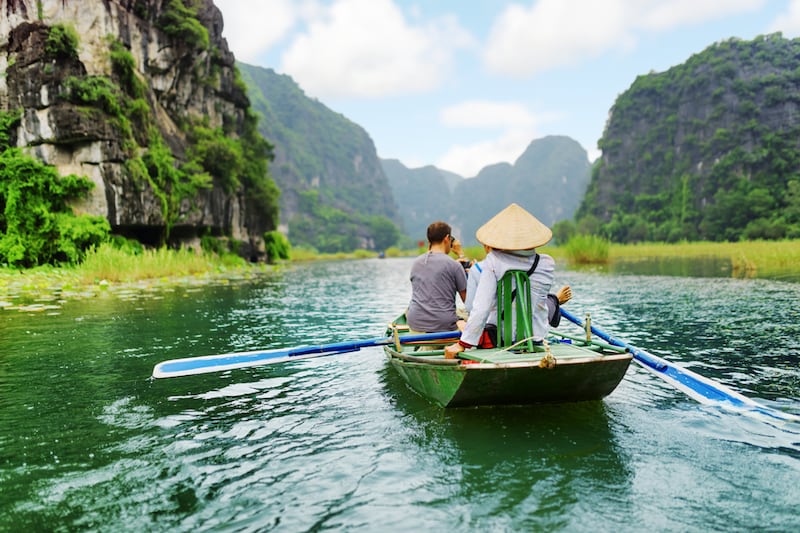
172 69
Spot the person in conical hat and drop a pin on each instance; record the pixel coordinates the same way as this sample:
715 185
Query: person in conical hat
513 235
554 301
514 229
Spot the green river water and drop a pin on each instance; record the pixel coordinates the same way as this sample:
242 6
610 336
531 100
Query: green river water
89 442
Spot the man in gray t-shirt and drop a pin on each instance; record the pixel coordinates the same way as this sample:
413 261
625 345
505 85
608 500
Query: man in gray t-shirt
436 278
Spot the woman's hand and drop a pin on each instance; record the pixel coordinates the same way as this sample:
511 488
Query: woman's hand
452 350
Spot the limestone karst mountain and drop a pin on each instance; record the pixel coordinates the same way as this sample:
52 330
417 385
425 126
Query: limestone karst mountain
143 98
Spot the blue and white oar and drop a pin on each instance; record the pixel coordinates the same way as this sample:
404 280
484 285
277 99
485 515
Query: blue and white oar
700 388
229 361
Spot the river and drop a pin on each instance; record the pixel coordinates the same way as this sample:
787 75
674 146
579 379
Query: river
89 442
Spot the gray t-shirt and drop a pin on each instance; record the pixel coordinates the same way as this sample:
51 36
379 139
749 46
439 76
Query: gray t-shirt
436 278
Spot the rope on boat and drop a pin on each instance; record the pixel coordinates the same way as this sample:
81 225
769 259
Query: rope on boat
547 361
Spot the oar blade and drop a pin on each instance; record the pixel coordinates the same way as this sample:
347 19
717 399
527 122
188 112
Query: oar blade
697 387
231 361
219 363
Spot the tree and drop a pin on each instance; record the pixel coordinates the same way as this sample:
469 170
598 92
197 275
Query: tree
384 232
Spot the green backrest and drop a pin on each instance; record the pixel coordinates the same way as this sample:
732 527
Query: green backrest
514 300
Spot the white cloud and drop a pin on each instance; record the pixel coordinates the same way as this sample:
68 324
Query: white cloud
367 48
487 114
551 33
660 16
252 27
468 160
788 22
518 124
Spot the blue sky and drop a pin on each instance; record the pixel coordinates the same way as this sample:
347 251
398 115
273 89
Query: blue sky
465 84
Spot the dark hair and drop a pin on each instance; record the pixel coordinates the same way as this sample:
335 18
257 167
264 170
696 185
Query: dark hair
438 231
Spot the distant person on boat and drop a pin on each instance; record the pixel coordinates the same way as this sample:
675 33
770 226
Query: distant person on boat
513 236
436 279
554 301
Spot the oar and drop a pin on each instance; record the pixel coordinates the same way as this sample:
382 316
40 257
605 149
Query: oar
696 386
229 361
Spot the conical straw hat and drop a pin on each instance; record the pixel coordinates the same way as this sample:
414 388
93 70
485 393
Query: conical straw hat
513 228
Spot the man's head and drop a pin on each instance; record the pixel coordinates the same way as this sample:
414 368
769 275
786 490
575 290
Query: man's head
438 232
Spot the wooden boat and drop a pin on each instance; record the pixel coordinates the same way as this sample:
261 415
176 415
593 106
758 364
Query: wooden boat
565 368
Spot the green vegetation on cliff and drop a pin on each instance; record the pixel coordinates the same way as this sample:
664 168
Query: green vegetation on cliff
37 225
211 154
180 21
708 150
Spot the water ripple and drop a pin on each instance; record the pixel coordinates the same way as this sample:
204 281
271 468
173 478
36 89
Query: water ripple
342 443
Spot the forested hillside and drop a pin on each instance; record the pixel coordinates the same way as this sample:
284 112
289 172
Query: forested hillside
424 194
548 179
709 149
334 193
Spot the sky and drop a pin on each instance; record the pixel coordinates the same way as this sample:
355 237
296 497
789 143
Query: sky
463 84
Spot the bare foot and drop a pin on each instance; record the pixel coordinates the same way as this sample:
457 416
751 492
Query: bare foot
564 294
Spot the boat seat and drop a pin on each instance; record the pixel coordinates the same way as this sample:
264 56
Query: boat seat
514 310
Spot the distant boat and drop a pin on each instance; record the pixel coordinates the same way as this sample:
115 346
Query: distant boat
565 368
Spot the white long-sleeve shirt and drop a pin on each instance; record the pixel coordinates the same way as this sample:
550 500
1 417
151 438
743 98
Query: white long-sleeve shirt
484 303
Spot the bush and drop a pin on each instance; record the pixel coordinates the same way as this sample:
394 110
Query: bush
129 246
62 42
125 68
213 245
585 249
218 155
393 251
96 91
76 234
180 22
8 125
37 224
277 246
384 232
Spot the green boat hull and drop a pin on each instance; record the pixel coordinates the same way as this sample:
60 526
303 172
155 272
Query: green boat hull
497 377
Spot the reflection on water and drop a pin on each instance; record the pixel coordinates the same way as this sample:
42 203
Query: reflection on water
88 441
562 454
698 267
706 267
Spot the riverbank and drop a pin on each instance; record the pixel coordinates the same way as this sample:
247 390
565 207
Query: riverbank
109 271
112 271
749 259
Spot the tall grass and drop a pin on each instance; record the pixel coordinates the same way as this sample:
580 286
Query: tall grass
587 249
748 258
114 265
